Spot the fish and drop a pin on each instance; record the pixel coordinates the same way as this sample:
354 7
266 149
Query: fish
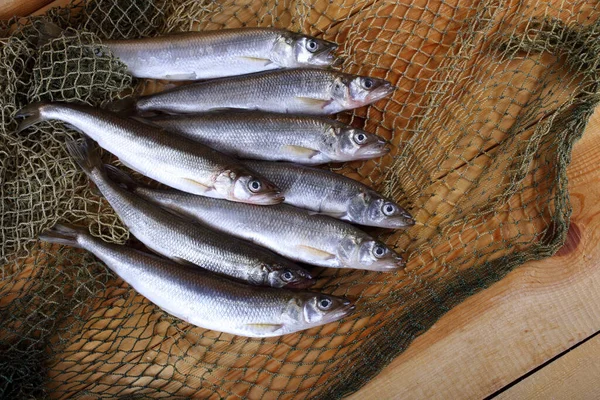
184 241
289 231
328 193
221 53
169 159
208 300
294 91
308 140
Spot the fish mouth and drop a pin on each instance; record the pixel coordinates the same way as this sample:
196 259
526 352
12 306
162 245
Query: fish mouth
346 309
378 149
380 92
268 198
399 222
391 265
326 57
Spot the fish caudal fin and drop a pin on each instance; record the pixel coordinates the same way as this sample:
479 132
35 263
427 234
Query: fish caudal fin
86 155
63 234
32 114
119 176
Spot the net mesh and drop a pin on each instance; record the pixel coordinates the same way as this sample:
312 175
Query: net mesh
491 97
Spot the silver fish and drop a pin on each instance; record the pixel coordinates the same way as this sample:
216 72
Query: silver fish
277 137
186 242
295 91
289 231
207 300
175 161
219 53
332 194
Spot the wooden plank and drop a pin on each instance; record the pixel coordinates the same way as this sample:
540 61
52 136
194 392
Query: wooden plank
20 8
573 376
536 312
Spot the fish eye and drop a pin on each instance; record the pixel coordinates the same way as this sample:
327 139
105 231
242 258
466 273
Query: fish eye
389 209
379 251
324 303
254 185
360 138
368 83
287 275
312 45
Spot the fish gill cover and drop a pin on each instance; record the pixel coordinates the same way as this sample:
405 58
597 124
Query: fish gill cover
491 97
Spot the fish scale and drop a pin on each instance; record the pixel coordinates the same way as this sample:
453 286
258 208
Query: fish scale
299 90
287 230
326 192
170 159
276 137
218 53
204 299
185 241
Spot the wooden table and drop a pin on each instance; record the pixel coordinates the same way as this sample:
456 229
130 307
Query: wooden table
533 335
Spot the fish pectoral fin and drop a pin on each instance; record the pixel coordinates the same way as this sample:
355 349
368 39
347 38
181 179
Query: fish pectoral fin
264 328
197 184
258 60
314 102
314 252
301 151
337 215
189 76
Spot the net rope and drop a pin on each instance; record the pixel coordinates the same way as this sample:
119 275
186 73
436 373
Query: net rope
491 96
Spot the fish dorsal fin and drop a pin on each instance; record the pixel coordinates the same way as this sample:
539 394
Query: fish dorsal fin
301 151
314 102
314 252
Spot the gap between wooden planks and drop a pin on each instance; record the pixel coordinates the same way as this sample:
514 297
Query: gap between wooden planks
536 312
573 376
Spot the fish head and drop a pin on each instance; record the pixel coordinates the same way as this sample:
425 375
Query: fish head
309 309
374 210
298 50
376 256
351 91
246 187
285 276
356 144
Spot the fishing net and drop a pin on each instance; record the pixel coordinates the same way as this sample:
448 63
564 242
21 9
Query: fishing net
491 96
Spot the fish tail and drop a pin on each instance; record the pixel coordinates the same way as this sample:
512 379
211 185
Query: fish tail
121 177
86 155
63 234
32 114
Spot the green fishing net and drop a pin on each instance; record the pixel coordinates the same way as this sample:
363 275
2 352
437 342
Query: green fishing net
491 96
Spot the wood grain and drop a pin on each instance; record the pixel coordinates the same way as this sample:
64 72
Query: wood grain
536 312
20 8
573 376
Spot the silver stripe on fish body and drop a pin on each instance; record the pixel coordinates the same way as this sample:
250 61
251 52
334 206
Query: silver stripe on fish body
221 53
296 91
170 159
332 194
287 230
308 140
186 242
208 300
